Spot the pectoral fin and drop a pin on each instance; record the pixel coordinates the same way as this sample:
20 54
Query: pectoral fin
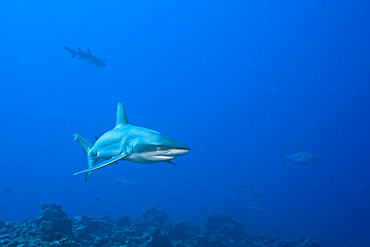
169 161
101 165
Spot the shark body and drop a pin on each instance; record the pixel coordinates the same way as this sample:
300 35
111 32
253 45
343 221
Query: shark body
127 182
252 209
301 158
88 56
131 143
248 190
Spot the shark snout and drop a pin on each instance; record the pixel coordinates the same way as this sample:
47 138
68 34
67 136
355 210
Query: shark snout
176 148
178 151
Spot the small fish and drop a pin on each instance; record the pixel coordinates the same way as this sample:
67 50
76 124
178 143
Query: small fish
88 56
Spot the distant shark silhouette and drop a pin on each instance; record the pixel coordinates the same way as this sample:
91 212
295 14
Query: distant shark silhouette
248 190
254 209
127 182
88 56
301 158
128 142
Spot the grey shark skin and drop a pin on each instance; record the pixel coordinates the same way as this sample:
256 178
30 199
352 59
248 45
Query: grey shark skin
88 56
301 158
131 143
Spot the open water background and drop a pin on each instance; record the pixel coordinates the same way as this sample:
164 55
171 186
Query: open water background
237 81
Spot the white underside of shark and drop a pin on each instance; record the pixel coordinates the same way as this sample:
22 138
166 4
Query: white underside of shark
131 143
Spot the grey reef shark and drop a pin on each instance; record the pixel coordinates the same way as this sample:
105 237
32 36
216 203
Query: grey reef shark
88 56
252 209
131 143
301 158
248 190
127 182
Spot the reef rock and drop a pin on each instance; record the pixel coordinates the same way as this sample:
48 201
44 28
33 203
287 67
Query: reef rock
54 229
225 224
310 243
124 221
158 238
150 217
183 230
53 223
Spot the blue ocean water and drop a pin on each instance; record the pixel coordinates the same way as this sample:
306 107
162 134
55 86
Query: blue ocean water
237 81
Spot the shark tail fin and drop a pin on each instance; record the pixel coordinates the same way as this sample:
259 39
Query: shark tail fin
90 162
237 191
86 146
73 52
283 156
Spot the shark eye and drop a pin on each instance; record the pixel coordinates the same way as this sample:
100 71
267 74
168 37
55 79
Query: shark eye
157 148
162 148
153 148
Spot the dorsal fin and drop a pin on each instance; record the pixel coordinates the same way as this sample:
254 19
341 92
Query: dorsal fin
301 148
88 51
121 116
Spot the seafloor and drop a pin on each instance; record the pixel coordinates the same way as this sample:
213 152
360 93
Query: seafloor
54 228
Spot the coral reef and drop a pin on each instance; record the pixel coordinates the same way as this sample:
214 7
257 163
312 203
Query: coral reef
53 228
